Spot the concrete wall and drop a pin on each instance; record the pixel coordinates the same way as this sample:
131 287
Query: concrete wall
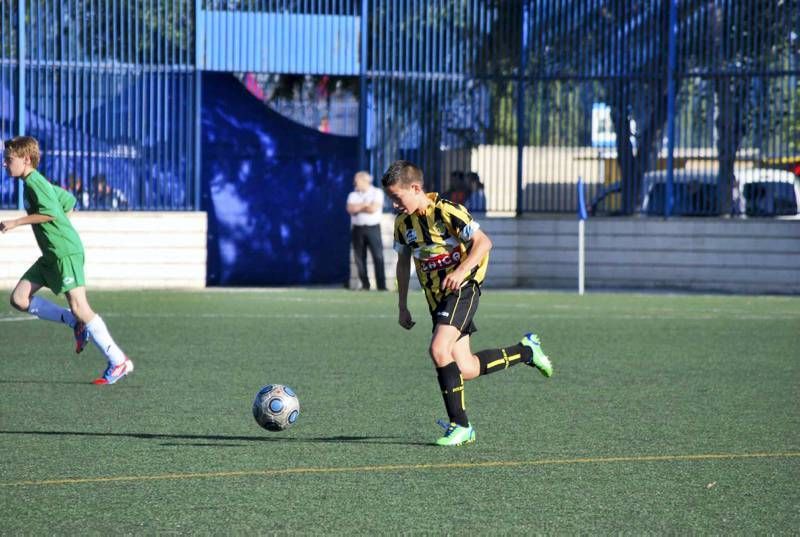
123 250
168 250
739 256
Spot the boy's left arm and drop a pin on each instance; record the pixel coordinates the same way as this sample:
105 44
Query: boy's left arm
42 204
8 225
481 244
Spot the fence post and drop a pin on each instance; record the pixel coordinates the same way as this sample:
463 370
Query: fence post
672 60
199 43
362 85
521 131
21 90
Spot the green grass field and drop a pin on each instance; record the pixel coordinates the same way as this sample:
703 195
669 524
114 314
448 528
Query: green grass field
666 414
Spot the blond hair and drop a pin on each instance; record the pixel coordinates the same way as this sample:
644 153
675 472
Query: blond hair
24 146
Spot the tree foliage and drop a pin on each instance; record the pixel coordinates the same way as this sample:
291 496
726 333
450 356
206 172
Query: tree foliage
624 45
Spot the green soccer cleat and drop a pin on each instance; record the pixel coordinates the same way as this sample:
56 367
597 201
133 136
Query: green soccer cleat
539 360
455 435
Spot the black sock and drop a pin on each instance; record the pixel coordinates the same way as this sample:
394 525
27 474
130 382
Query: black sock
452 384
498 359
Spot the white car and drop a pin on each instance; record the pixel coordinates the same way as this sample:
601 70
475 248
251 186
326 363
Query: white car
756 192
768 192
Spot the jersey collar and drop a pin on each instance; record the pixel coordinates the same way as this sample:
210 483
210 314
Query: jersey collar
434 198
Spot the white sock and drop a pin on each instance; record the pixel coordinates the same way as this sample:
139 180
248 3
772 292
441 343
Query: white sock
97 329
44 309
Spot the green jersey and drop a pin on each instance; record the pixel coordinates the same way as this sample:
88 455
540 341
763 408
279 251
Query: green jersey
65 199
56 238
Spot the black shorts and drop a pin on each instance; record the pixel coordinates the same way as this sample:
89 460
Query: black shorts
457 309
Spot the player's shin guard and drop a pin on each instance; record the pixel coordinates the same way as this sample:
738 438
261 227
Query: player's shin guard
44 309
493 360
104 341
452 384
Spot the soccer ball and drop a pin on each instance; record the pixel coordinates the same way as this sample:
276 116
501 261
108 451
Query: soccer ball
276 407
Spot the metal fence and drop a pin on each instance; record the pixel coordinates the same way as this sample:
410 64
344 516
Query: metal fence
110 90
681 107
672 107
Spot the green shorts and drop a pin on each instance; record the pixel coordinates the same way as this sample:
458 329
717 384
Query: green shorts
59 275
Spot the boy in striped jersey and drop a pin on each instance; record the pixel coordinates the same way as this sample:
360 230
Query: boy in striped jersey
451 254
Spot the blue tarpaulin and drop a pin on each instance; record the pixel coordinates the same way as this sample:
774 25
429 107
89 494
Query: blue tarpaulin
275 192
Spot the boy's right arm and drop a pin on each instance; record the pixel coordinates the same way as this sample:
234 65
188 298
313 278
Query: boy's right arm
403 273
65 199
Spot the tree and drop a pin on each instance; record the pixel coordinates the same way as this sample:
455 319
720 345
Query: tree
624 45
748 40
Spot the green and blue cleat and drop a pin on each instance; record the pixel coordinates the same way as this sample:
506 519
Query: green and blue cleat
455 435
539 360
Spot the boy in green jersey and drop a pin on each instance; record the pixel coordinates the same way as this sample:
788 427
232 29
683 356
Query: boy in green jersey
60 267
451 256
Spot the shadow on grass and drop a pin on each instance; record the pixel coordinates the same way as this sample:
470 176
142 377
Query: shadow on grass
201 444
220 440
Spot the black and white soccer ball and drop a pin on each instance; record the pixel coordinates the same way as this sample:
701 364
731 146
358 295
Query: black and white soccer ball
276 407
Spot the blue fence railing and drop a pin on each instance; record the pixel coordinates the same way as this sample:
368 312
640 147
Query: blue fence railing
677 107
532 95
110 90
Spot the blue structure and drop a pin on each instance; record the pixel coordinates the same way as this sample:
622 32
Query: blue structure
505 89
275 193
111 97
283 42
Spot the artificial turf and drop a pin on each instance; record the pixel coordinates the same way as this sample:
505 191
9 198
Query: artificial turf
666 414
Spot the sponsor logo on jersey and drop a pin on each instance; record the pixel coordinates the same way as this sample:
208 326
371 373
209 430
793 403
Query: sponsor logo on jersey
68 280
437 262
440 228
443 314
411 236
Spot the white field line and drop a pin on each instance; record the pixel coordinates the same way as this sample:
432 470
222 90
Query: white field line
15 319
422 315
487 311
384 468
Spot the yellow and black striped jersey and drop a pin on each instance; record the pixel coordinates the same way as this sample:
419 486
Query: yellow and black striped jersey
438 241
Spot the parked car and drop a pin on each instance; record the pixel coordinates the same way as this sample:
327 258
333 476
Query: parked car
768 192
757 192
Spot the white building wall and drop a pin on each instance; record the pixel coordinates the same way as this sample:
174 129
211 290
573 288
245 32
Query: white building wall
738 256
168 250
123 249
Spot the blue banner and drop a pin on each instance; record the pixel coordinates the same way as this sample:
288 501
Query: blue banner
275 192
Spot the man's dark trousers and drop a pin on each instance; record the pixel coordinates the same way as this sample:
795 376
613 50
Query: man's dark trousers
368 237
